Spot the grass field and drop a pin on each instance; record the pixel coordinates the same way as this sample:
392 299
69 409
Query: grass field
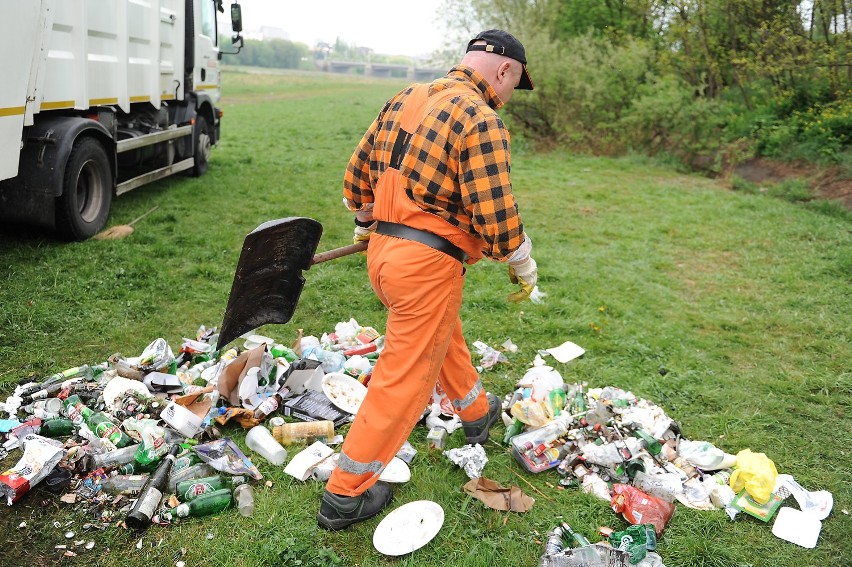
744 300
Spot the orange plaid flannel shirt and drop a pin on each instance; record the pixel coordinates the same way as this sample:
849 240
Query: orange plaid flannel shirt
456 166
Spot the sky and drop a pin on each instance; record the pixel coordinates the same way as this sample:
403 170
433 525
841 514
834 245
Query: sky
389 27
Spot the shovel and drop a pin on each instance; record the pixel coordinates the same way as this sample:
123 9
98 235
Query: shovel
268 279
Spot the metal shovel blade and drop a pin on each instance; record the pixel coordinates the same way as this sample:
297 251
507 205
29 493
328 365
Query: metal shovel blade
268 279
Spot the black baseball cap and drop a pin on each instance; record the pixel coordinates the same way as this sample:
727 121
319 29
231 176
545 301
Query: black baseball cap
503 43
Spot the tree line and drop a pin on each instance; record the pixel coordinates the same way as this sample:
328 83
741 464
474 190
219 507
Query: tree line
729 79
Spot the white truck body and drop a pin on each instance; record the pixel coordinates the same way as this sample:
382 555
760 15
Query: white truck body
138 79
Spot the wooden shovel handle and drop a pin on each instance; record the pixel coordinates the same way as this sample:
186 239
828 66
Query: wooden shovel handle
339 252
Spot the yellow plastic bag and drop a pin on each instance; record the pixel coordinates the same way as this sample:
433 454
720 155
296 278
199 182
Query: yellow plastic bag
756 473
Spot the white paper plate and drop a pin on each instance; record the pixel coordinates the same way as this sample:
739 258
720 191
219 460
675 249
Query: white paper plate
254 341
409 527
345 392
396 471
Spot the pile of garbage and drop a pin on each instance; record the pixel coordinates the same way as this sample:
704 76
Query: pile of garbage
138 441
628 452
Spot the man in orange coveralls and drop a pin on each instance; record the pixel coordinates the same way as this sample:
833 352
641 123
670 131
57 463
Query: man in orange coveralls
430 182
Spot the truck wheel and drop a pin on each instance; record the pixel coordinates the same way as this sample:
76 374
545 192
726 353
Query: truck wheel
203 143
83 208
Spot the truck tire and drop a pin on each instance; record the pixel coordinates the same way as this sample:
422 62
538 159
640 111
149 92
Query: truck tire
203 141
83 208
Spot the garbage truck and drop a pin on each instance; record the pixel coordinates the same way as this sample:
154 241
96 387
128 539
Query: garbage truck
99 97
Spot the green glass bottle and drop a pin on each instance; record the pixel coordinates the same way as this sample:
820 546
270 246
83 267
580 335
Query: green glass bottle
103 427
58 427
576 536
186 460
206 504
578 405
189 490
649 441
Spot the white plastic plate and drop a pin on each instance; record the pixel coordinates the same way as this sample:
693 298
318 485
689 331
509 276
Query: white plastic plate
345 392
397 471
408 528
797 527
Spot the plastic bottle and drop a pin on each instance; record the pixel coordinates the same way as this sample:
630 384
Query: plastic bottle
546 436
58 427
191 489
125 483
151 494
244 497
290 433
206 504
114 458
554 542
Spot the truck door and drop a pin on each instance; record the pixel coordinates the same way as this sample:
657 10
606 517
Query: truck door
206 74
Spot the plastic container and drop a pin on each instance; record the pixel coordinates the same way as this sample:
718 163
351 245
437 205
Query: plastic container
304 432
114 458
260 440
244 497
533 448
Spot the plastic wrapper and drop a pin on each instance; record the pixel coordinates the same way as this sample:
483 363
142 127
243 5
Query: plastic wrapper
490 356
40 456
756 474
532 413
156 356
224 455
152 436
640 508
541 379
471 458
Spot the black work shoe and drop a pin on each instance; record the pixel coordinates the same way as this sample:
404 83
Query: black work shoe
339 512
477 431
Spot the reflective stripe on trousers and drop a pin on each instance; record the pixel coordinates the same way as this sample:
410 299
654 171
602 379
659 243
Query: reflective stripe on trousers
422 289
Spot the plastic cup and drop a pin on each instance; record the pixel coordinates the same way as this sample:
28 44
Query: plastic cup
260 440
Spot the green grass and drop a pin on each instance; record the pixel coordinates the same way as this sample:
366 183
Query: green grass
744 299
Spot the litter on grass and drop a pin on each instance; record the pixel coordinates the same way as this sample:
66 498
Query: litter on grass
95 435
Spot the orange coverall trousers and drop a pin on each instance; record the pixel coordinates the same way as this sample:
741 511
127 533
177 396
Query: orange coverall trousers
422 289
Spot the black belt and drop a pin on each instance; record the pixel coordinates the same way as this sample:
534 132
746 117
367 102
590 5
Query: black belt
423 237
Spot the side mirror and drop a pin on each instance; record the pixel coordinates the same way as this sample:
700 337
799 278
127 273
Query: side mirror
236 18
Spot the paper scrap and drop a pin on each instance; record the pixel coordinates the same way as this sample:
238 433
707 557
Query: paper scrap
498 497
566 351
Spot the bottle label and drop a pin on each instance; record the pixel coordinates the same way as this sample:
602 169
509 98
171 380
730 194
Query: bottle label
196 489
75 415
148 502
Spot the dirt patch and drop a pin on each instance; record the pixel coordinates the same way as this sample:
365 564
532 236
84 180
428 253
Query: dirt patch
826 183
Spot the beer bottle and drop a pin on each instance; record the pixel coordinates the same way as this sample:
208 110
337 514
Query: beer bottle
149 498
188 490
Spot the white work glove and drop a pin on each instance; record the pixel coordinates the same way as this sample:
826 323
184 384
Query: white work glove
525 274
363 233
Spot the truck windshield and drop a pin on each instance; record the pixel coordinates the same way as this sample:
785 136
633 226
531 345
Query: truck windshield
208 20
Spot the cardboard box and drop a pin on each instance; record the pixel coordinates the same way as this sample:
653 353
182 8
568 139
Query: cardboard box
315 406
